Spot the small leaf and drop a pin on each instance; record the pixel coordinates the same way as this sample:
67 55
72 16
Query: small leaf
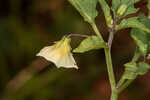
144 20
137 54
132 23
87 8
126 7
130 10
142 68
130 70
90 43
115 5
106 10
141 40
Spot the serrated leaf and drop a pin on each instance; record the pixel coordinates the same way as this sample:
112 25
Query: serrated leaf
130 70
132 23
90 43
107 14
87 8
142 68
141 40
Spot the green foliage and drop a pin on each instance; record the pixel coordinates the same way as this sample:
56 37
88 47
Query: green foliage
142 37
130 70
107 14
131 9
123 7
133 23
115 5
90 43
87 8
141 40
142 68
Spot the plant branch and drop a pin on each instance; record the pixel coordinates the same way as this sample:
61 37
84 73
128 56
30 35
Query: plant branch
110 40
114 95
125 85
77 35
96 30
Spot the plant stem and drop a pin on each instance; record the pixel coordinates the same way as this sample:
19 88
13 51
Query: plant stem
121 81
111 37
96 30
110 68
77 35
114 94
125 85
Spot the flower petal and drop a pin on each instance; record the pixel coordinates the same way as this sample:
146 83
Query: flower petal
49 53
67 61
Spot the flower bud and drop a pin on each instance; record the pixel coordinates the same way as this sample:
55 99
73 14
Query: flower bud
109 21
122 9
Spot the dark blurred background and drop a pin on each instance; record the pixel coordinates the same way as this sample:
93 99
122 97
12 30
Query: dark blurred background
26 26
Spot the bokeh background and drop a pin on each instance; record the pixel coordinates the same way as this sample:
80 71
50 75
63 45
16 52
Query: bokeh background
26 26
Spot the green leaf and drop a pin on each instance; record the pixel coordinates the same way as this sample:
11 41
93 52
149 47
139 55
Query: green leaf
141 40
115 5
132 23
136 55
142 68
107 14
87 8
144 20
130 10
90 43
130 70
126 7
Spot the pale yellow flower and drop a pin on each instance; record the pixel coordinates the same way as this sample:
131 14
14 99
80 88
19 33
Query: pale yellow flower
59 53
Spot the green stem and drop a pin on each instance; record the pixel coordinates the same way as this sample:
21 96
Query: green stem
121 81
125 85
110 68
96 30
114 94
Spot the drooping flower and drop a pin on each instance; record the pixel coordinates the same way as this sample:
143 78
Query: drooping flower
59 53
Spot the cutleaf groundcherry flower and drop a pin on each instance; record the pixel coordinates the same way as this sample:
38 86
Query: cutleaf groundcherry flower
59 53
